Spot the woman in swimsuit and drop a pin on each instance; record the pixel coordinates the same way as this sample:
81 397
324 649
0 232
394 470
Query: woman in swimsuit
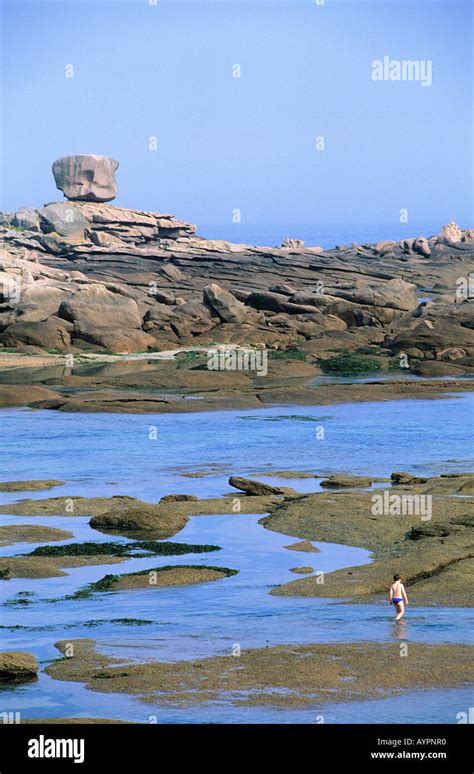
398 596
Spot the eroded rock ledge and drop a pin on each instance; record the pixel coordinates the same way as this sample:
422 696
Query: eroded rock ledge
82 276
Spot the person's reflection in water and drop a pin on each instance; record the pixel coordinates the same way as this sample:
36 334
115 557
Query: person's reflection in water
399 630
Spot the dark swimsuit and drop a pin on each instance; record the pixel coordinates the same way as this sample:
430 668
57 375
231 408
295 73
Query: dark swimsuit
396 600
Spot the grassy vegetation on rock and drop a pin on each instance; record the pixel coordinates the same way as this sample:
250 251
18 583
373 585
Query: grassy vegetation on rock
350 364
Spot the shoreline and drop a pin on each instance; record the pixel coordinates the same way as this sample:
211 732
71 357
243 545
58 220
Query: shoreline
165 384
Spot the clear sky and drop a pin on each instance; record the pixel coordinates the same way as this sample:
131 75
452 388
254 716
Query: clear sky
165 70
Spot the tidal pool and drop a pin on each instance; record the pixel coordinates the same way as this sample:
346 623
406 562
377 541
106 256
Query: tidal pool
108 454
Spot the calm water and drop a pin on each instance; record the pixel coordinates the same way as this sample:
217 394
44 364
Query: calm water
326 235
106 454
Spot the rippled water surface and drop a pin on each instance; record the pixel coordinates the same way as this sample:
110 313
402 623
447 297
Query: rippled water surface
108 454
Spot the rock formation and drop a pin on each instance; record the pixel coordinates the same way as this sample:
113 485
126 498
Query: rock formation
86 177
294 244
86 275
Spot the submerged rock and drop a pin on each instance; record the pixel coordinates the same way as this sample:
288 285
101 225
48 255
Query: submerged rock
28 486
442 547
26 533
303 545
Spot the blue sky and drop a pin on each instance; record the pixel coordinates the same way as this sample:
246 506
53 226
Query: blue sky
245 143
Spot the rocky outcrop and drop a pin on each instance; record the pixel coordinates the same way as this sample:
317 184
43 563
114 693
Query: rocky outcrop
450 234
108 318
407 478
293 244
85 275
17 666
305 546
24 395
433 330
52 333
254 488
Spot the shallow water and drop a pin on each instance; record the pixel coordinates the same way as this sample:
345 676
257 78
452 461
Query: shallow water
107 454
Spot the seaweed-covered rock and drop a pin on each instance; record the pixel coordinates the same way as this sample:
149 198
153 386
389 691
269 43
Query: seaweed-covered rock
17 666
407 478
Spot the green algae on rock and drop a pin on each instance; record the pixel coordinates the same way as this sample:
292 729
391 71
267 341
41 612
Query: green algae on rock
29 486
30 533
303 545
283 675
419 551
130 550
48 566
168 575
350 364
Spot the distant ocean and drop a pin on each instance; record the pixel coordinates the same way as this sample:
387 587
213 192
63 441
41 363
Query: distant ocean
326 236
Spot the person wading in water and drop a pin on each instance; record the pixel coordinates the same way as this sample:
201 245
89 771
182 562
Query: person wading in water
398 596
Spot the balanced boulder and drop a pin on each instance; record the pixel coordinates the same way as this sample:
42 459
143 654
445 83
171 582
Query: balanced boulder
86 177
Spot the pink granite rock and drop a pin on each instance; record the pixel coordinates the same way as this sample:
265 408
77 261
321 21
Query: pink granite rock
86 177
